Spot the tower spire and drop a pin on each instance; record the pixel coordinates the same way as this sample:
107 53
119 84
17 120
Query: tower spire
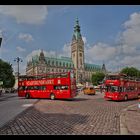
77 34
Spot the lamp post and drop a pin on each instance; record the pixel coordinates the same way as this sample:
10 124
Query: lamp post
18 59
0 41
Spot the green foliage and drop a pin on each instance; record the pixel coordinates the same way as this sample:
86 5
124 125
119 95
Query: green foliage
131 71
97 78
6 74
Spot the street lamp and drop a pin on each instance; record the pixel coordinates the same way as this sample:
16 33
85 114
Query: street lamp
18 59
0 41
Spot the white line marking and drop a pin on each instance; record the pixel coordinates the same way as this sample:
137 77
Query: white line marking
27 105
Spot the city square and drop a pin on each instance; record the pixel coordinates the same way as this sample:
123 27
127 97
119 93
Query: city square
84 115
69 70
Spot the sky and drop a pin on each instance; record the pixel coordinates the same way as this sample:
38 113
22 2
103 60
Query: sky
111 33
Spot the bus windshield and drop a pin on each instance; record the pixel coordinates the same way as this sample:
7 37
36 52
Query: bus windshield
113 88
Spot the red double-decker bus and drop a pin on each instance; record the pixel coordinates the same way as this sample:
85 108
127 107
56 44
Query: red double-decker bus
51 85
121 87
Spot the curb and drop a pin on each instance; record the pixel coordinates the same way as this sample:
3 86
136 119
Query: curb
123 127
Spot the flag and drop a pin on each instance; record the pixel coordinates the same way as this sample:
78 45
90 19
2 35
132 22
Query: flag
0 41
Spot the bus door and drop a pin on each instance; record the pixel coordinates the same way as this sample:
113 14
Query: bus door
21 91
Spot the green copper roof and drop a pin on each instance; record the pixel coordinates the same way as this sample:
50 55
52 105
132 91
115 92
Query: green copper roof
92 67
59 62
64 62
77 34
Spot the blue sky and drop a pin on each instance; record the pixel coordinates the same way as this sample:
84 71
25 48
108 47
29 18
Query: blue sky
111 33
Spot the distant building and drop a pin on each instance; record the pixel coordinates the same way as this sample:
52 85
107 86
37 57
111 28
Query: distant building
43 64
104 69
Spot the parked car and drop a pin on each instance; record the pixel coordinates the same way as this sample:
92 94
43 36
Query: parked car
89 90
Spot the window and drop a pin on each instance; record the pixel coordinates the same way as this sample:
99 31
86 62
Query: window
52 63
42 87
73 55
22 88
63 87
49 62
80 61
56 63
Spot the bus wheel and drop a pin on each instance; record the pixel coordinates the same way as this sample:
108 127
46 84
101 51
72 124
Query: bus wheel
52 96
138 96
125 97
27 96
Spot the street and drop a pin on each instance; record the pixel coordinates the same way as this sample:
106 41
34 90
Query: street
84 115
11 105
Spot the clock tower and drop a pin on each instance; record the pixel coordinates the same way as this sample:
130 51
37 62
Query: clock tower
77 53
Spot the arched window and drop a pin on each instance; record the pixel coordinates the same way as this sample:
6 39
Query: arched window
48 62
67 65
52 63
56 63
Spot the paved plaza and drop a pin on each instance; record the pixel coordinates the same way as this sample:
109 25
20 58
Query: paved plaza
84 115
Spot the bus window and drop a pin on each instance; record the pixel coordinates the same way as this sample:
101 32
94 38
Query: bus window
42 87
114 88
36 88
63 87
22 88
121 89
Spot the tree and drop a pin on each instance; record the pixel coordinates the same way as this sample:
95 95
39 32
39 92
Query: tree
97 78
6 74
131 71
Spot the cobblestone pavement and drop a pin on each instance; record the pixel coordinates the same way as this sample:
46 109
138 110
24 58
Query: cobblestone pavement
131 119
84 115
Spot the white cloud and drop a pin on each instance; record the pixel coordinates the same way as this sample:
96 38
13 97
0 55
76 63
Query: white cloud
134 20
20 49
30 14
115 56
100 51
84 39
131 35
26 37
66 51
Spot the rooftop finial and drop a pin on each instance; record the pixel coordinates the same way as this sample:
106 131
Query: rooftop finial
77 21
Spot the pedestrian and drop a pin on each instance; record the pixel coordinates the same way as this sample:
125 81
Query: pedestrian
101 88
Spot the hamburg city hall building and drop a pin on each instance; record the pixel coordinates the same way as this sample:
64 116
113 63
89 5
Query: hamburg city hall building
40 64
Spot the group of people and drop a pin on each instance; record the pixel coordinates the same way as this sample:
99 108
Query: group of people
11 90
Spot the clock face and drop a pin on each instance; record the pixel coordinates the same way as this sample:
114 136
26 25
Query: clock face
73 48
80 47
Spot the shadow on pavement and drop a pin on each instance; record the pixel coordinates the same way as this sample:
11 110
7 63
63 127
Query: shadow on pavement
36 122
